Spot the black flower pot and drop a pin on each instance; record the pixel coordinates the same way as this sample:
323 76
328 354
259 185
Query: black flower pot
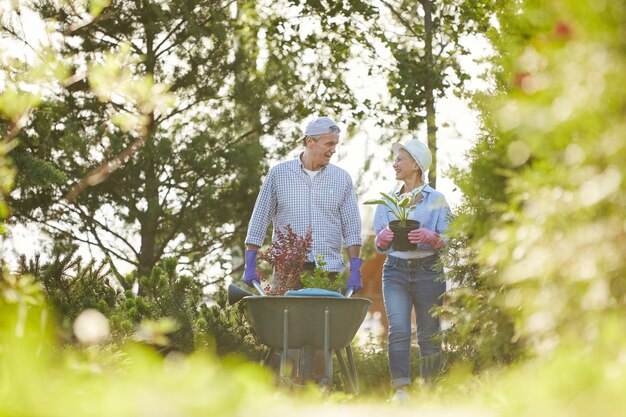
400 234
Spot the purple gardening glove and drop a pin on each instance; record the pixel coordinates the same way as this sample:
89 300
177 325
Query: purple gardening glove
427 237
354 281
249 269
384 238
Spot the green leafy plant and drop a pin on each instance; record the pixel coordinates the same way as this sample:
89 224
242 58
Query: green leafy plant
399 205
321 278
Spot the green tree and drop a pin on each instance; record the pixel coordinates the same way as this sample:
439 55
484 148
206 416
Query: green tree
425 41
177 172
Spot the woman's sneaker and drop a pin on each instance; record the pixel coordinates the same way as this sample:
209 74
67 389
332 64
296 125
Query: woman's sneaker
400 396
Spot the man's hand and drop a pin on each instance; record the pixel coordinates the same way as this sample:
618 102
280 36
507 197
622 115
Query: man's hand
249 270
354 281
427 237
384 238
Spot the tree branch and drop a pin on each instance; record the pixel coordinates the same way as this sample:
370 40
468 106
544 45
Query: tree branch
157 53
175 227
73 236
401 18
101 173
91 219
19 38
102 246
83 23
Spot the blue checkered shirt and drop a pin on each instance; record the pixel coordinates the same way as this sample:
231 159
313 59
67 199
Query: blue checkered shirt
432 212
327 203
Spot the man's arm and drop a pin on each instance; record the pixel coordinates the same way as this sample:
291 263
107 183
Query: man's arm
354 251
350 220
263 213
351 226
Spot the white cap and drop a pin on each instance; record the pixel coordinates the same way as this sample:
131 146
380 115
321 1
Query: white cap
321 126
419 152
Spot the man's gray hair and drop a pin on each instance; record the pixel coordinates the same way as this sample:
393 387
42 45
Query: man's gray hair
314 137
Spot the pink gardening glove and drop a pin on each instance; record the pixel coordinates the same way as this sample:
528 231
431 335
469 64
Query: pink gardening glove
384 238
426 236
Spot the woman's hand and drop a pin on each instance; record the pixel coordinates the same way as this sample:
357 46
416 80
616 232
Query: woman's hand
384 238
427 237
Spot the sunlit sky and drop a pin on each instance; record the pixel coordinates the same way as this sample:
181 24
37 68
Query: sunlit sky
458 128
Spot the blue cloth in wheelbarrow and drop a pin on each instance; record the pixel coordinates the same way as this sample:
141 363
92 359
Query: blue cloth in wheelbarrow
313 292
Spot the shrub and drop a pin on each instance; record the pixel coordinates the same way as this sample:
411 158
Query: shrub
542 225
321 278
71 286
287 256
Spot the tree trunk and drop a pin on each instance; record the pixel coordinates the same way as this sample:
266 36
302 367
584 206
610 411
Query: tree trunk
150 219
431 127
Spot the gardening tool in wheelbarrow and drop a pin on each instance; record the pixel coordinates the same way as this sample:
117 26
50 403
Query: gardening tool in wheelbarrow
307 320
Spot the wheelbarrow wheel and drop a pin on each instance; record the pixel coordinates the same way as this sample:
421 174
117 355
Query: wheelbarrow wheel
306 364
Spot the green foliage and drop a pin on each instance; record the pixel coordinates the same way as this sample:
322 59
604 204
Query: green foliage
170 313
423 44
167 293
226 331
321 278
159 137
19 290
483 329
70 286
40 173
7 175
131 380
537 246
578 380
371 360
121 382
542 228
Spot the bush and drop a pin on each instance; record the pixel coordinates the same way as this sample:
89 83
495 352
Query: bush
38 380
70 286
225 329
542 226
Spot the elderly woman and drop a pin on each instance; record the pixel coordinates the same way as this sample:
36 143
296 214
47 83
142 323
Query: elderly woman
413 279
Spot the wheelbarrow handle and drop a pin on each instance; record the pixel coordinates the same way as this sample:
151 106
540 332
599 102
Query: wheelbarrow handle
349 292
258 287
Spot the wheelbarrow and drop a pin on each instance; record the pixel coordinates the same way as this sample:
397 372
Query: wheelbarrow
307 323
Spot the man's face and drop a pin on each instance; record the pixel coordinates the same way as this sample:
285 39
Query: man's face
322 150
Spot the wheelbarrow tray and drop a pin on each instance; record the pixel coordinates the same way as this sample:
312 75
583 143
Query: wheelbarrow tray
305 318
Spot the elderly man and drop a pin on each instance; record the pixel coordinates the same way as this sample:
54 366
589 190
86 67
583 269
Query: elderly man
310 192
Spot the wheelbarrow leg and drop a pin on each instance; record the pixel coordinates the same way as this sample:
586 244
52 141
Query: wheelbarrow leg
268 357
355 376
345 371
283 354
328 358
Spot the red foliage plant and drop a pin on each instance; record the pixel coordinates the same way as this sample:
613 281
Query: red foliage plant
287 255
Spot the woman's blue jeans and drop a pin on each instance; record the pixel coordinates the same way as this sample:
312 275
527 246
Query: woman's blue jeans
412 284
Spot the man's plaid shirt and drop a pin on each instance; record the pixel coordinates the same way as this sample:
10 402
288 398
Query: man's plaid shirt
327 203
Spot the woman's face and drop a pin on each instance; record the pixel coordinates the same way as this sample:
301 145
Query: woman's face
405 166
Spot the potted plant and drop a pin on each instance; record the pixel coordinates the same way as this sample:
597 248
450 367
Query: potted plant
400 206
